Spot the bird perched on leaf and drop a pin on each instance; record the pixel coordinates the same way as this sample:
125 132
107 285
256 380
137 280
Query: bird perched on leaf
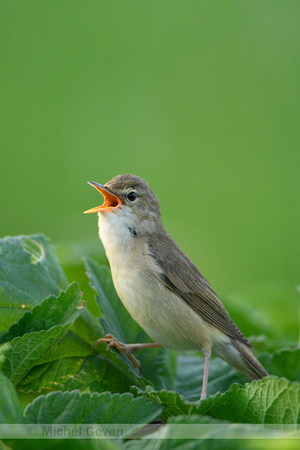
160 286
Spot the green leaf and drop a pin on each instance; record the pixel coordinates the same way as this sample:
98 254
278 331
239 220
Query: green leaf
69 346
188 382
71 259
94 373
268 401
115 316
18 356
10 408
61 310
189 375
87 327
21 354
29 272
156 362
75 408
174 404
283 363
186 432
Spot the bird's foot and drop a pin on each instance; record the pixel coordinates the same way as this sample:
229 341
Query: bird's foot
125 348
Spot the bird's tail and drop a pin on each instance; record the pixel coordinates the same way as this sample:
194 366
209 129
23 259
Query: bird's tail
241 357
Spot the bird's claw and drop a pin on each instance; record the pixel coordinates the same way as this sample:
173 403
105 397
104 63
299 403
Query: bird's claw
125 348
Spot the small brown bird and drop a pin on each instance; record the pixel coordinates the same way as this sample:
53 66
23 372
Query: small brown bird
159 285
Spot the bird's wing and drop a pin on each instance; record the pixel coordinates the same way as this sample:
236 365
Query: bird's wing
181 276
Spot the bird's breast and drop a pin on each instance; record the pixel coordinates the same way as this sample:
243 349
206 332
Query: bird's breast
163 314
130 264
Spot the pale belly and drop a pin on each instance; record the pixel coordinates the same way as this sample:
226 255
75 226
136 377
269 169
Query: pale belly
166 318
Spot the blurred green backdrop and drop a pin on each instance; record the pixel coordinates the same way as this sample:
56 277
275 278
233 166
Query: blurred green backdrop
199 98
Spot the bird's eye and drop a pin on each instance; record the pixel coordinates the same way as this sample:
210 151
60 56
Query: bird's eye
131 196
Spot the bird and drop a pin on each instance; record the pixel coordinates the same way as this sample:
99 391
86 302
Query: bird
160 286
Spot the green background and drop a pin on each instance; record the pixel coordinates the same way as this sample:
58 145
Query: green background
200 98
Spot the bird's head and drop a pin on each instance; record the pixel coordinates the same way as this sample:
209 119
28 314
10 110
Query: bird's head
131 200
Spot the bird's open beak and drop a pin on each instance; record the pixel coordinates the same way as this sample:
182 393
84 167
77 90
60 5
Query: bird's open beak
111 201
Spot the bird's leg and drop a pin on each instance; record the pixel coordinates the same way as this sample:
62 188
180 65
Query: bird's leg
126 348
205 376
